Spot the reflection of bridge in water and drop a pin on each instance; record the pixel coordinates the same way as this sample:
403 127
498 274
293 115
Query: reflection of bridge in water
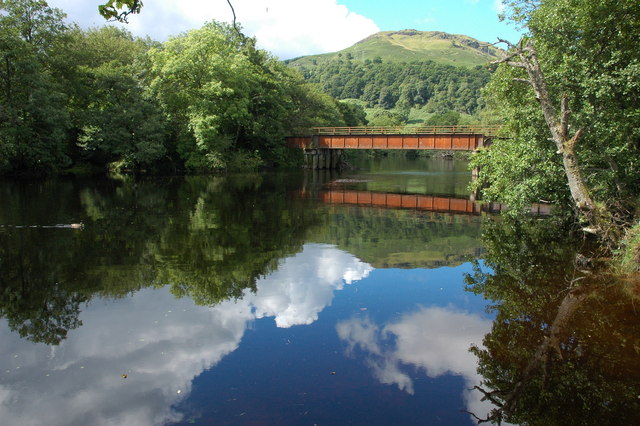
431 203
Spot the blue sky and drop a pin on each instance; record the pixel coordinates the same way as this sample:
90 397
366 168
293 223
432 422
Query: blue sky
475 18
290 28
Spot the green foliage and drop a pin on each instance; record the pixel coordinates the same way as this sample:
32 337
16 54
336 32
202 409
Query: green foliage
223 95
206 100
628 257
587 51
401 85
523 168
449 118
33 21
115 118
119 10
386 118
353 113
208 238
399 238
522 250
33 119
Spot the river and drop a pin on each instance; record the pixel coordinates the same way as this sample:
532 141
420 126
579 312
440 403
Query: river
297 298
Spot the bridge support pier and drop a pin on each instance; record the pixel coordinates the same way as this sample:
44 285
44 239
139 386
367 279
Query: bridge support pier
322 158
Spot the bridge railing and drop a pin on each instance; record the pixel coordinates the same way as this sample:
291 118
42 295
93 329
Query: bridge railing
406 130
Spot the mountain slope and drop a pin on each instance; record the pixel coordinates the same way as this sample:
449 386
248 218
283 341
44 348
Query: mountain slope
412 45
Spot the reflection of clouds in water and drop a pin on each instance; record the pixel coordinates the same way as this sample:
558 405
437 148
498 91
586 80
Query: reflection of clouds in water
435 339
304 285
160 343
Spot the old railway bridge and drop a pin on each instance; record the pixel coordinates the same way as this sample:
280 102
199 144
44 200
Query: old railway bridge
324 145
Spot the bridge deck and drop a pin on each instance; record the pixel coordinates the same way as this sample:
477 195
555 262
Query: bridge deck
456 138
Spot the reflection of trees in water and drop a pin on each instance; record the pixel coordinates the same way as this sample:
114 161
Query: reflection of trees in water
208 238
32 299
563 348
388 238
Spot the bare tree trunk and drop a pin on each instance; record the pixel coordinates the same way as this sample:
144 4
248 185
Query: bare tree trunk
559 128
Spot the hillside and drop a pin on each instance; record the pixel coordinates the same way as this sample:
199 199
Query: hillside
409 46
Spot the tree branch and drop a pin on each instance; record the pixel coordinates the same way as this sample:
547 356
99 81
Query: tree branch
516 64
505 59
110 10
234 16
488 395
571 143
564 116
476 417
507 42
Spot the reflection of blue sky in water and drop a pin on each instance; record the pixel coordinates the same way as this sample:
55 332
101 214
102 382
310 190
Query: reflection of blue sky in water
435 340
168 347
161 344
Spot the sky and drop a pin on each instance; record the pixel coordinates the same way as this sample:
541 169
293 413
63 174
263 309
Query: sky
292 28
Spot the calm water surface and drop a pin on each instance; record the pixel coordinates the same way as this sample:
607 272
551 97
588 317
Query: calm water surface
251 300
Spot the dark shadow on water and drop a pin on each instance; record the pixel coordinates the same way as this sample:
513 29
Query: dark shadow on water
564 346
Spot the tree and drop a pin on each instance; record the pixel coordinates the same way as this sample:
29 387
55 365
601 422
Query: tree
401 86
115 116
231 104
559 128
203 80
353 113
33 120
386 118
35 22
574 67
449 118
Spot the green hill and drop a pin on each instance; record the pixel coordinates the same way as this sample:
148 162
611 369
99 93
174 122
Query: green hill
409 46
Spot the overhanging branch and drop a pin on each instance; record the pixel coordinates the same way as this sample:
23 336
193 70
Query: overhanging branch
522 80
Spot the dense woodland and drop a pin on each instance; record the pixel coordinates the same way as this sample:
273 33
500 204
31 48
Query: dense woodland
202 101
436 87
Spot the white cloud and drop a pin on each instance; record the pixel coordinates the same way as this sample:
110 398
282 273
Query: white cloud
499 6
286 28
161 344
435 340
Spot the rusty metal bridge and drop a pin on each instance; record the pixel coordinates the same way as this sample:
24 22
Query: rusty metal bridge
323 145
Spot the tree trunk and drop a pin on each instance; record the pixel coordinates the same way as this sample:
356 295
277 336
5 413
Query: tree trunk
559 128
